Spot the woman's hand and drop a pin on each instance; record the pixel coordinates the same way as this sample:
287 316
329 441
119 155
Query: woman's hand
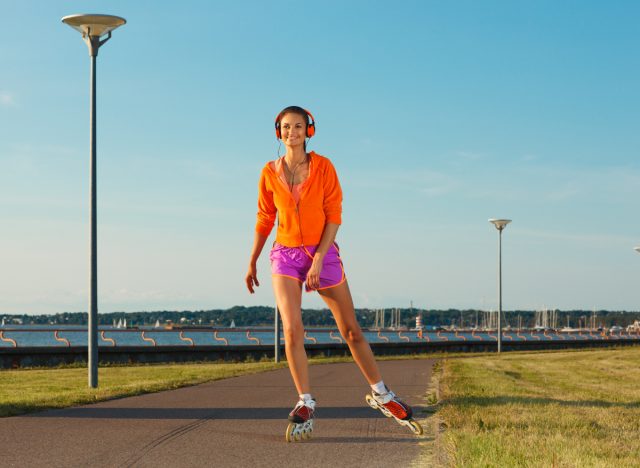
313 276
252 278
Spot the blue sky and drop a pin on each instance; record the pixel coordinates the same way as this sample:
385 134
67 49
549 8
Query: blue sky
437 116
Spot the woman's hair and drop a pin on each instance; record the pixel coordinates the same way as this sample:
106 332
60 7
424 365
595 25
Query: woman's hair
294 110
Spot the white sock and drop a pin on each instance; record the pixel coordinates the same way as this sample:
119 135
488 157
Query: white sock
305 396
379 388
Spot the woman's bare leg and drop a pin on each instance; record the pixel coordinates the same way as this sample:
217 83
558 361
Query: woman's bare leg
339 300
288 293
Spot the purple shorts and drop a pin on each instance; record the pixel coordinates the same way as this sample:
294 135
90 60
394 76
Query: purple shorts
295 263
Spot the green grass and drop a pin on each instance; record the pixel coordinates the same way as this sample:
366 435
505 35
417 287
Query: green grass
569 408
25 391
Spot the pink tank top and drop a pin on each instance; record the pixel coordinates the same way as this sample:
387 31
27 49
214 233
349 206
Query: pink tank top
296 190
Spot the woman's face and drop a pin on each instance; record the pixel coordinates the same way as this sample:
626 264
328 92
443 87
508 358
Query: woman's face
293 129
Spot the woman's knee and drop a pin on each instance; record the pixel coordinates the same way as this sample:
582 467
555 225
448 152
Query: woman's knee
294 336
352 334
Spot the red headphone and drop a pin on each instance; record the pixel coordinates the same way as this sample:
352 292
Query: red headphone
311 126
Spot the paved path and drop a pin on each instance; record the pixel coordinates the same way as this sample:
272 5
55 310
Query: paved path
237 422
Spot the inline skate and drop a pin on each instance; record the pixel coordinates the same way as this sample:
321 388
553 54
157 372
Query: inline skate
301 421
392 407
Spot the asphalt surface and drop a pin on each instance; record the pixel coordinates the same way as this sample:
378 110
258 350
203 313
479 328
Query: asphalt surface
235 422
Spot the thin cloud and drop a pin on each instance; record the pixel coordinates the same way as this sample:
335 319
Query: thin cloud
469 156
587 238
7 99
426 182
569 190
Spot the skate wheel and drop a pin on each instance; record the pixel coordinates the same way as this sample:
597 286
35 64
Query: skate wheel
370 401
415 427
297 436
306 434
289 434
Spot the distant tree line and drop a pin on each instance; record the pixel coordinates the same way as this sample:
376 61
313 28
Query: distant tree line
263 316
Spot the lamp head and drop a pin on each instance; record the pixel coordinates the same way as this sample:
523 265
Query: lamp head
637 249
94 25
500 224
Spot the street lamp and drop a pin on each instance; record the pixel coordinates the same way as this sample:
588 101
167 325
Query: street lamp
92 28
500 224
637 249
276 337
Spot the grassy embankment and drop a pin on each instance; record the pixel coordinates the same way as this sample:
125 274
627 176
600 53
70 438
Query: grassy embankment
28 390
569 408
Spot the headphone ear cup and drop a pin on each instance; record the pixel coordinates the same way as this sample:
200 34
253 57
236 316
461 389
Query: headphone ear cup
278 135
311 126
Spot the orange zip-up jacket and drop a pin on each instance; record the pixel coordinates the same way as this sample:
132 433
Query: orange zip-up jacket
301 224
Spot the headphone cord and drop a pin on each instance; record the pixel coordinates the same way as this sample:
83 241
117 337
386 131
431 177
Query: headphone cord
293 172
298 202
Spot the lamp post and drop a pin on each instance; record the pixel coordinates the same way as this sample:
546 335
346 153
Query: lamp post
276 336
500 224
92 28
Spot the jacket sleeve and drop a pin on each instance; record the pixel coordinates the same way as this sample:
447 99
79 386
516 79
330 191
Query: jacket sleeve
332 203
266 216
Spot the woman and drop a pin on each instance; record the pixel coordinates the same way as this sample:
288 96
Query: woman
302 189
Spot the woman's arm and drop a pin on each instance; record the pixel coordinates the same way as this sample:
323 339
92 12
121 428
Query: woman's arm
252 274
328 236
266 217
